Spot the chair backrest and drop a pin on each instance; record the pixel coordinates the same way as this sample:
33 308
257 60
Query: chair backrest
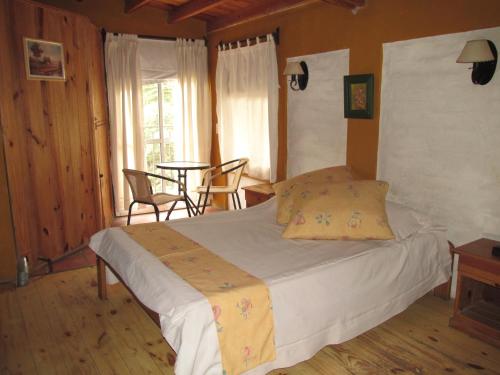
140 185
237 168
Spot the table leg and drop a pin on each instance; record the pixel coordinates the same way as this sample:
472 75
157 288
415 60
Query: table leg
190 205
179 178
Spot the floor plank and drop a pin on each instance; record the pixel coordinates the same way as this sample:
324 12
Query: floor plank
45 346
120 317
15 356
64 322
57 325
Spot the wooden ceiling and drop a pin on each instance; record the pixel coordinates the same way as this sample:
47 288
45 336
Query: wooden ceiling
220 14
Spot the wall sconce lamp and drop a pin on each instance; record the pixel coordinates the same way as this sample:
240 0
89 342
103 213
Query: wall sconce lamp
299 74
483 54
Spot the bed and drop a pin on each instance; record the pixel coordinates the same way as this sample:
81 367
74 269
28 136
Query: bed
328 291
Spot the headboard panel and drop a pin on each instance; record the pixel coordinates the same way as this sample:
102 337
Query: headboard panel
439 140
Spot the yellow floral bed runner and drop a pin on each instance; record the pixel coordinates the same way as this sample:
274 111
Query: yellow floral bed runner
240 302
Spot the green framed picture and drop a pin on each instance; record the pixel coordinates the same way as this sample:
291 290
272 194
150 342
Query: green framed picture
358 96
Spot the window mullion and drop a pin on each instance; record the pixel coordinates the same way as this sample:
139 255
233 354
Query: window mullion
160 111
160 122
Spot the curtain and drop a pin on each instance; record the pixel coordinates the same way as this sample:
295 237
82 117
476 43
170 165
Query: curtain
158 59
125 113
247 106
194 133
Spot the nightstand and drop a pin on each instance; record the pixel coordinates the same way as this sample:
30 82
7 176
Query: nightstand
477 303
256 194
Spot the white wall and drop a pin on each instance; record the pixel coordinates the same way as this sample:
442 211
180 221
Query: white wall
317 130
439 144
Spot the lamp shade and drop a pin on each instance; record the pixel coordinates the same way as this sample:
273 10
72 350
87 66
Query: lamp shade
292 68
476 51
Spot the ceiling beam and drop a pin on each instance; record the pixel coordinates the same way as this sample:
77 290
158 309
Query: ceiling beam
192 8
133 5
261 10
351 4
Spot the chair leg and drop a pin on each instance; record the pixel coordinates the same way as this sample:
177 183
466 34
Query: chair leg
234 202
170 210
188 205
204 204
130 212
199 202
157 212
238 199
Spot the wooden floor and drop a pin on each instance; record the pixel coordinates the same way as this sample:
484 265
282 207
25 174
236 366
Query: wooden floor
57 325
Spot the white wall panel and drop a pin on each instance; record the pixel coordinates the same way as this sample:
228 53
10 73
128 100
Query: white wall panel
439 141
317 130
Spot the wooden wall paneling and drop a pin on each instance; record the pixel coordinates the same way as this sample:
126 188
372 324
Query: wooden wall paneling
70 126
7 243
88 46
64 144
88 213
100 122
93 178
49 132
14 118
54 96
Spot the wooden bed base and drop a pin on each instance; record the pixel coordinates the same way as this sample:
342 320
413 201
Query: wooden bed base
102 291
441 291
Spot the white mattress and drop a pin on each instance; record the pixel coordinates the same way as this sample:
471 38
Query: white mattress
323 292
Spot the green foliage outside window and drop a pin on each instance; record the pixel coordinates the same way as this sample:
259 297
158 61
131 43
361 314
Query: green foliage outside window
159 114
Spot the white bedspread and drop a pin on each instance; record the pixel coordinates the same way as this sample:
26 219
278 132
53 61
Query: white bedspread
323 292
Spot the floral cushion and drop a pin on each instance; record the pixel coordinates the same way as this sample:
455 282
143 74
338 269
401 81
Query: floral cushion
353 210
287 190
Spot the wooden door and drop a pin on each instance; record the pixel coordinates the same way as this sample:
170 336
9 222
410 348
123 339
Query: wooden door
51 132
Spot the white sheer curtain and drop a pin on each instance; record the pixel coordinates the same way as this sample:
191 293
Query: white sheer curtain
194 133
125 112
158 59
247 106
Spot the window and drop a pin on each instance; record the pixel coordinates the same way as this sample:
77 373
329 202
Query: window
159 111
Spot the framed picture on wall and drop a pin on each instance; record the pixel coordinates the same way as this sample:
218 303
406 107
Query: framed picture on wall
358 96
44 60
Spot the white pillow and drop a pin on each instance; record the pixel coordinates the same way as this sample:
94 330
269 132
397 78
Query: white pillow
405 221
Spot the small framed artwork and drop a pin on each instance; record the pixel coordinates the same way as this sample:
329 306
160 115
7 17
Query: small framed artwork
44 60
358 96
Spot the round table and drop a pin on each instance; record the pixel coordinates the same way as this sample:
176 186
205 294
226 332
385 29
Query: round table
182 167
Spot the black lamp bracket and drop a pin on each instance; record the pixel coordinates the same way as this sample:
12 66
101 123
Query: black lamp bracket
482 72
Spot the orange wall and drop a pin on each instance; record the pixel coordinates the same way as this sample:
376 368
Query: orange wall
322 27
110 15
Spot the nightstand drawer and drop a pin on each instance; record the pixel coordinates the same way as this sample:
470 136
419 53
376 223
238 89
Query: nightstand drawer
256 194
479 274
254 198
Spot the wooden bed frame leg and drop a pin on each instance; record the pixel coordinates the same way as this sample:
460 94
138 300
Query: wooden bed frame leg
101 279
443 290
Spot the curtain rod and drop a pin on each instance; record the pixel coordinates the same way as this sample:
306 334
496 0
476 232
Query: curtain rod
171 38
155 37
275 34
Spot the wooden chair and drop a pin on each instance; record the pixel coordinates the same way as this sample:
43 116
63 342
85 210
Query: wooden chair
237 166
142 191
